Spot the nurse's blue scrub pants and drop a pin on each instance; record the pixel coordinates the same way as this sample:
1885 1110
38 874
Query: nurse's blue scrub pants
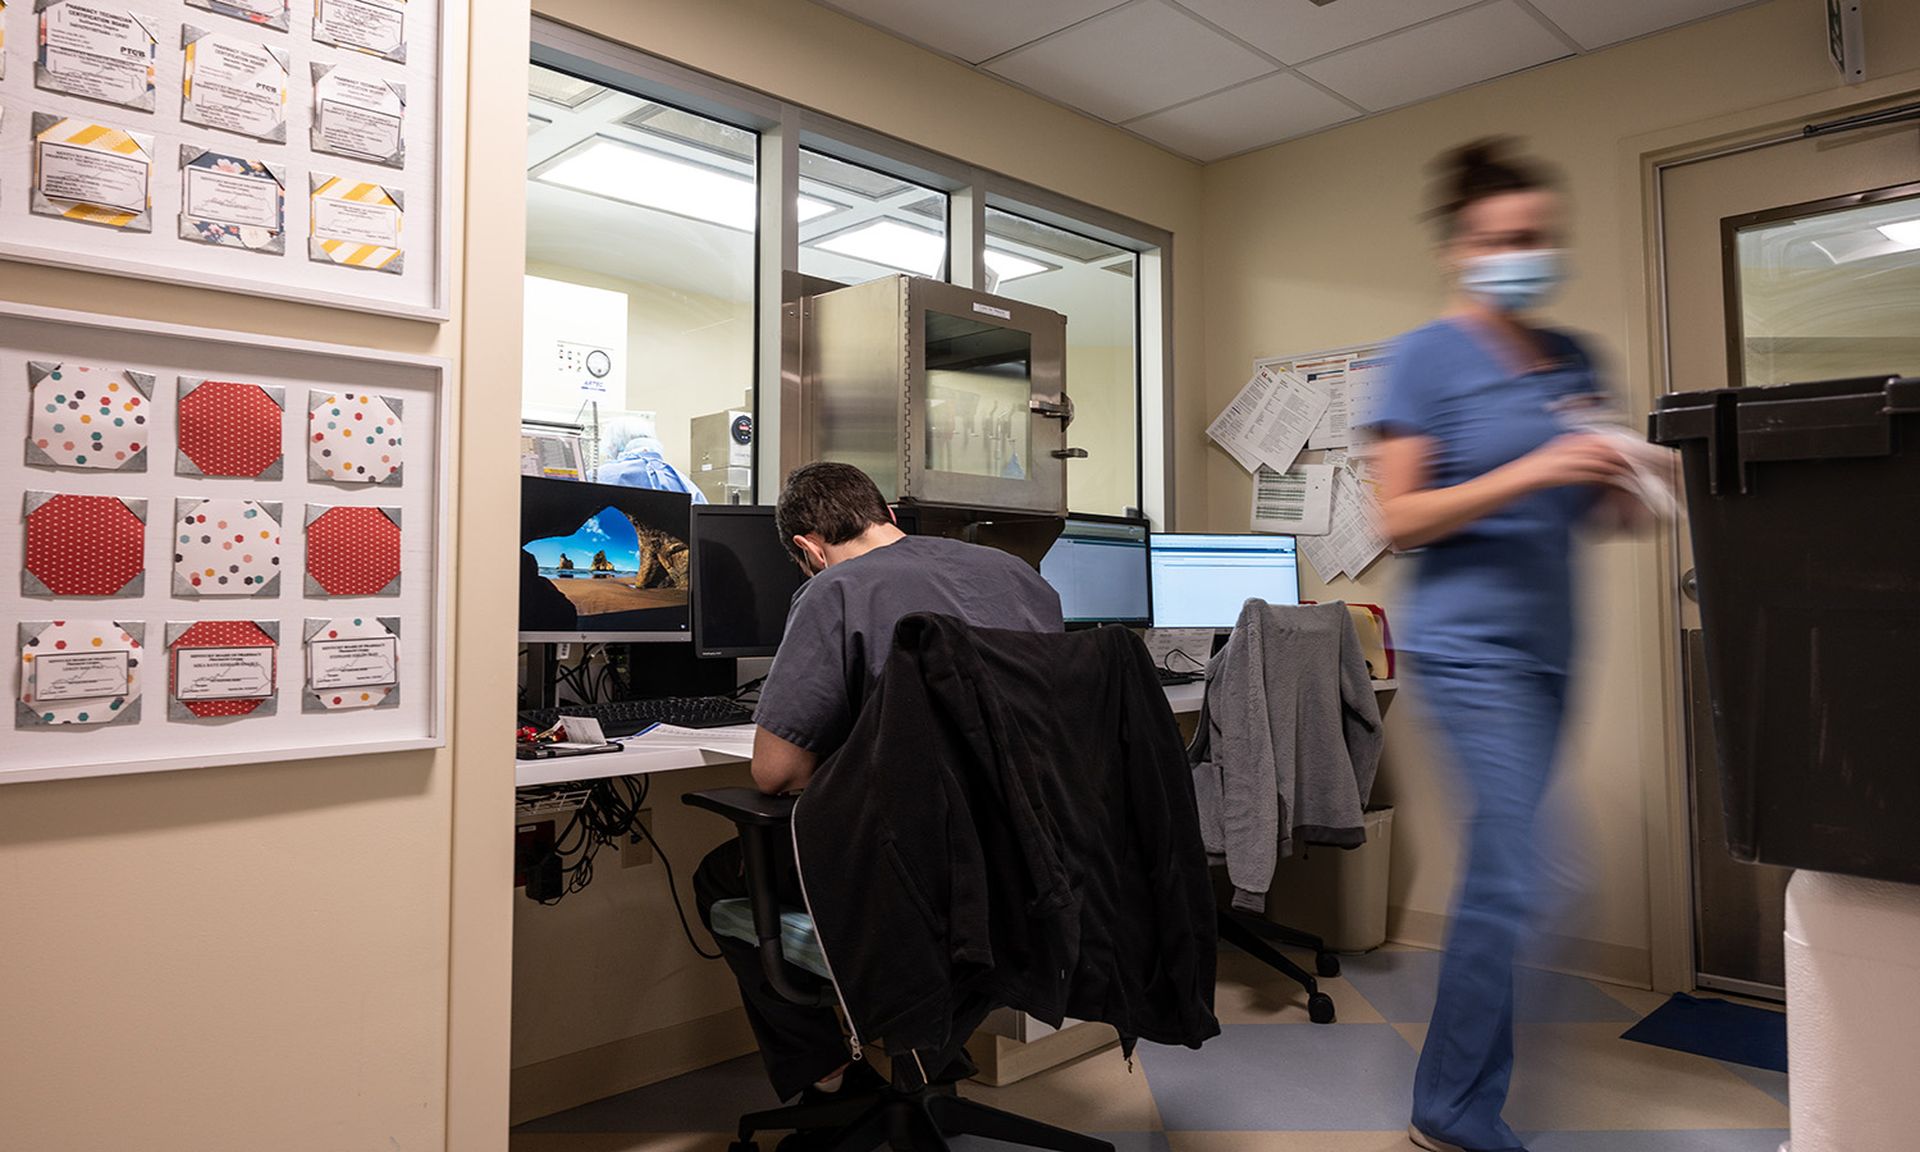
1501 730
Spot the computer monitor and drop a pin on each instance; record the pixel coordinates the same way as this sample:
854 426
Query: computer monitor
1200 580
1099 565
743 580
602 562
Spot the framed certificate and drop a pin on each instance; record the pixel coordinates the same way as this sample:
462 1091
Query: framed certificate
98 52
376 27
361 117
92 173
234 84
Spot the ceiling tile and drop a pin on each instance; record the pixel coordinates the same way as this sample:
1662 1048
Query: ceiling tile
1449 53
976 29
1265 111
1296 30
1131 61
1595 25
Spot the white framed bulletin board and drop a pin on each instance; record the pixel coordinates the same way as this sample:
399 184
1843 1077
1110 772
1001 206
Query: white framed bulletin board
282 148
219 548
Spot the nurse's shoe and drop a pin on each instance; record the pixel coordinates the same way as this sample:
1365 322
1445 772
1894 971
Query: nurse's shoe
1435 1144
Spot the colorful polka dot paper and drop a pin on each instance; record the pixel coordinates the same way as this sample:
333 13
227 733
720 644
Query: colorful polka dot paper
79 672
352 662
353 551
353 437
86 417
226 548
230 429
222 668
84 545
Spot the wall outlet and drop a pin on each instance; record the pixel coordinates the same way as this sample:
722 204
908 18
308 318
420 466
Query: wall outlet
636 851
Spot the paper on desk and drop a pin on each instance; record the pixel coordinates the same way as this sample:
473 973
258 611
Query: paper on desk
736 741
1269 420
1180 649
1300 501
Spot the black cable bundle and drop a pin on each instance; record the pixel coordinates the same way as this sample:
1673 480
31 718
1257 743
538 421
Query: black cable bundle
610 813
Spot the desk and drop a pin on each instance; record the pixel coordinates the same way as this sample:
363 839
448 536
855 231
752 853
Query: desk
1185 698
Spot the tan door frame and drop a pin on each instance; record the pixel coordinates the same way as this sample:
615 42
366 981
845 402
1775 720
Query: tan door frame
1663 756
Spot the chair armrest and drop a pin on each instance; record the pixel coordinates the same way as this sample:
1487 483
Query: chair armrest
760 819
744 806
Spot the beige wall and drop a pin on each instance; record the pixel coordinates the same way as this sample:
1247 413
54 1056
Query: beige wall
1317 243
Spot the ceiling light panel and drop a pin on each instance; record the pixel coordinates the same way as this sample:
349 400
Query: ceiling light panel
1906 232
560 88
621 171
1009 267
890 244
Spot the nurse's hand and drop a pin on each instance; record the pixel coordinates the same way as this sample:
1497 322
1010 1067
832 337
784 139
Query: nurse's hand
1573 460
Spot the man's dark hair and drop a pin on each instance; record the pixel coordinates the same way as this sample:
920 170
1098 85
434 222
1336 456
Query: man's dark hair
837 501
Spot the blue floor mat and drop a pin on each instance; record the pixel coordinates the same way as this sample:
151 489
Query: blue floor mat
1719 1029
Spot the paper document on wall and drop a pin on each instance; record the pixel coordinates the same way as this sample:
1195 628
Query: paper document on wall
1356 534
1180 649
1269 421
1320 551
1298 502
1328 375
1366 377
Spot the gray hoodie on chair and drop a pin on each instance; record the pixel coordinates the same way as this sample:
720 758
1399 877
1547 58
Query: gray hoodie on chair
1287 744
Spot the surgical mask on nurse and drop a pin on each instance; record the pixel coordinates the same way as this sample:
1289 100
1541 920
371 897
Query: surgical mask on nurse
1518 280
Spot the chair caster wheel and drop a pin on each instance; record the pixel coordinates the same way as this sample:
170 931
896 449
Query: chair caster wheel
1326 965
1320 1008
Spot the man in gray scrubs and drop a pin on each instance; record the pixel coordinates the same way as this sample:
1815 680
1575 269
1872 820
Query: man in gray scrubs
865 574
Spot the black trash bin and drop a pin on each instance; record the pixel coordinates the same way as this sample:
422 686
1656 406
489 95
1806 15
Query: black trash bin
1804 502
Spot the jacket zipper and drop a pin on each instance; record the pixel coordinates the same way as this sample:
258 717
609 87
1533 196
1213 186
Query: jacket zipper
799 874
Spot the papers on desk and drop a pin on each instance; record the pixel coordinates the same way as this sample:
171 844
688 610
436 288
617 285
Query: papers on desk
734 741
1269 420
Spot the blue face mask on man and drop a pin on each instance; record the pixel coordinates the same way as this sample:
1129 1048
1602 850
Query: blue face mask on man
1514 281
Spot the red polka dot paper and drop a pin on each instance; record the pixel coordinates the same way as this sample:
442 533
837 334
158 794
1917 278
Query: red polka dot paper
87 417
184 674
226 548
230 429
353 551
84 545
67 668
354 438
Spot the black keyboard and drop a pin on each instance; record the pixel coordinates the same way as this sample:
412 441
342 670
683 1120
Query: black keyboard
1169 678
625 717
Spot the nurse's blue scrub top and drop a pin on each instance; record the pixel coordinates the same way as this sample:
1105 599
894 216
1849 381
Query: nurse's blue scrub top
1500 590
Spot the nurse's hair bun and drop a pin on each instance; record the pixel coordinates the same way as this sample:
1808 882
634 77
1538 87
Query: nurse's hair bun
1489 166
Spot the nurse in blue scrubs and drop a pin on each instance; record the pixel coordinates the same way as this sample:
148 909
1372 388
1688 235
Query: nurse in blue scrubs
1483 471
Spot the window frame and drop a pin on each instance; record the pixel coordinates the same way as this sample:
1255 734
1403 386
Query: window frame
784 128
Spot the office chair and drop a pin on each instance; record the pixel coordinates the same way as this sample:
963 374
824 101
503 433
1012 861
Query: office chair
1251 933
910 1114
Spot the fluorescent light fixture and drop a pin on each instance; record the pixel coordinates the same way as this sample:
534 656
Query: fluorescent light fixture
891 244
1010 267
1905 233
620 171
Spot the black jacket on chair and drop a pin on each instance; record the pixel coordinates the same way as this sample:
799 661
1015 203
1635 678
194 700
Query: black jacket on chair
1011 823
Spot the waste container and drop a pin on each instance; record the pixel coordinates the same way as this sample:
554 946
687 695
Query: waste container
1804 504
1338 894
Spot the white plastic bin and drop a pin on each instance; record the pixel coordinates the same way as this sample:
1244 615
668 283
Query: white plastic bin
1853 1015
1338 894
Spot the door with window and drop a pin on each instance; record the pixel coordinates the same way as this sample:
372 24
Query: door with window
1794 261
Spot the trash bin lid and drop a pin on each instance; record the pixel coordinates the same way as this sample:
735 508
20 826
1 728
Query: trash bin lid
1825 419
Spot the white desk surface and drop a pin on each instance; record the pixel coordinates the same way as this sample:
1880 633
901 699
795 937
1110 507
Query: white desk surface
644 761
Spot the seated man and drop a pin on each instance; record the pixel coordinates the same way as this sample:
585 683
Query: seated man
865 574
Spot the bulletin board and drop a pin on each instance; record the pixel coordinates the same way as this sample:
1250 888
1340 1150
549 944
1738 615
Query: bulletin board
220 548
290 148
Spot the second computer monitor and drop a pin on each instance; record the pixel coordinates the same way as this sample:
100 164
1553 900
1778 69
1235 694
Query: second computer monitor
1200 580
1098 565
743 580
